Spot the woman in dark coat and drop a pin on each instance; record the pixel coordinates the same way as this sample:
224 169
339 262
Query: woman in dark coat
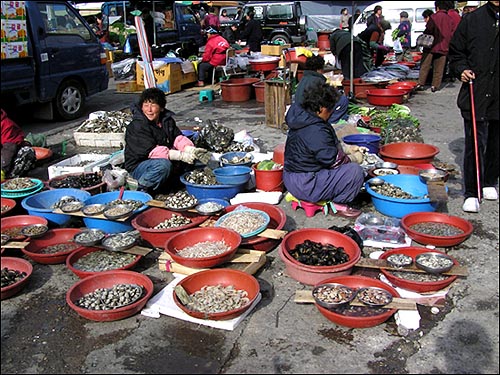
340 46
475 38
252 33
316 166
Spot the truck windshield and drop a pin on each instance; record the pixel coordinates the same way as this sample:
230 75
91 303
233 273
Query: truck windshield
58 19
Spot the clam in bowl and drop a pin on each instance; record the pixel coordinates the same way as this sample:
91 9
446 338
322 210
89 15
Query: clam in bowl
332 295
434 263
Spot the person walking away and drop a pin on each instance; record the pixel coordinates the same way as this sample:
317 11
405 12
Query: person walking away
156 151
215 54
18 157
375 17
352 19
344 19
316 167
211 20
441 26
252 32
403 34
476 37
231 35
340 46
313 77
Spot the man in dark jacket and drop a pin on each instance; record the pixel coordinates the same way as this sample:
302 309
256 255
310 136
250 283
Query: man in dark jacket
473 55
340 46
154 145
252 33
316 166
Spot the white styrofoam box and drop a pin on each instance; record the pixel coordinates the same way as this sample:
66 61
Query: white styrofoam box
99 139
70 165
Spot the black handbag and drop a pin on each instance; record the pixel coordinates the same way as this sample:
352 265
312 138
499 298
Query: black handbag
425 40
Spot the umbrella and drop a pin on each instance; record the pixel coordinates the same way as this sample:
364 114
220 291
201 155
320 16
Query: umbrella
147 58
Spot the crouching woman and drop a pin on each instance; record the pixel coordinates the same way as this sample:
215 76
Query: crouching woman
317 166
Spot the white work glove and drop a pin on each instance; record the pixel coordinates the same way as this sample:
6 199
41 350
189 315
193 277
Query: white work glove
200 153
185 156
355 153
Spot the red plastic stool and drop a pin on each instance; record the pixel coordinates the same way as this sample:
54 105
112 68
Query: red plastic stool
309 208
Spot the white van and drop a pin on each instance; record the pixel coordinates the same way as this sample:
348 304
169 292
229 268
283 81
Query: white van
391 10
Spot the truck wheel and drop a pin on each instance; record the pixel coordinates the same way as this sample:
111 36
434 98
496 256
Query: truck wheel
280 38
70 100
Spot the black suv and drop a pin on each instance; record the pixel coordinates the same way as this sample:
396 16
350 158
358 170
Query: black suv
281 21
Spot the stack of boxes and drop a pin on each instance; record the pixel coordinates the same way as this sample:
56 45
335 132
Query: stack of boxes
14 37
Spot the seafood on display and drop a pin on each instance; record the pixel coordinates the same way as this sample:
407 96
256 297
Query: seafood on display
175 221
437 229
10 276
180 200
392 191
334 293
108 122
80 181
103 260
111 298
217 299
64 201
243 221
202 177
18 183
204 249
136 204
58 248
317 254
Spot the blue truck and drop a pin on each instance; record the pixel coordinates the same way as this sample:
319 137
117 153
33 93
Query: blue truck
51 58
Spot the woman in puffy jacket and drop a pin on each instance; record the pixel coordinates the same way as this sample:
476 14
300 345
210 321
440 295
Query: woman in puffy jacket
214 55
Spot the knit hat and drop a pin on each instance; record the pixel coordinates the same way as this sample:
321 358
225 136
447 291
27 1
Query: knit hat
211 30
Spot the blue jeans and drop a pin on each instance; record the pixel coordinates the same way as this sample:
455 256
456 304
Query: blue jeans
152 173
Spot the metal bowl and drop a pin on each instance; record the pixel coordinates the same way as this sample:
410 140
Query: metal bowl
376 181
386 165
118 211
89 237
5 239
434 262
119 242
72 206
94 209
433 175
399 260
34 230
332 295
373 296
384 171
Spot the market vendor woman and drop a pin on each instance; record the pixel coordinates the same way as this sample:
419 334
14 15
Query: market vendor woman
156 151
317 167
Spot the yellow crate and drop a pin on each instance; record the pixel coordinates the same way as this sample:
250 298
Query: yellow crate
273 50
188 78
168 77
126 86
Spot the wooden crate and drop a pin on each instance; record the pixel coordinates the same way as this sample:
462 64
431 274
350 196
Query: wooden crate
277 97
273 50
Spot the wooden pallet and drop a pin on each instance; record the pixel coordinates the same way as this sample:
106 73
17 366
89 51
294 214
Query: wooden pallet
249 261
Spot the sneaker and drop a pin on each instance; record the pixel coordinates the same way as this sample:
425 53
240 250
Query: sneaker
490 193
419 88
471 205
200 84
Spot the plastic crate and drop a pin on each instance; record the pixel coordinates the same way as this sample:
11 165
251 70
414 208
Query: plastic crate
70 165
99 139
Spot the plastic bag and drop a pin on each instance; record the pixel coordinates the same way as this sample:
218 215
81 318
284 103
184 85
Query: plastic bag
115 178
215 137
124 70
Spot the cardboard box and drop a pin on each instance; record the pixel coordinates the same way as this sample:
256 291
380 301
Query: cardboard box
79 164
168 77
189 78
99 139
273 50
126 86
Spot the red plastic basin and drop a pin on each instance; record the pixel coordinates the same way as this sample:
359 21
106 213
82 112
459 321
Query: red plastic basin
260 89
237 89
354 281
20 221
52 237
7 206
20 265
408 153
385 97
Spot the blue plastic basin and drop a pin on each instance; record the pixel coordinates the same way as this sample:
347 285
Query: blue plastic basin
370 141
110 226
397 207
40 204
232 175
225 192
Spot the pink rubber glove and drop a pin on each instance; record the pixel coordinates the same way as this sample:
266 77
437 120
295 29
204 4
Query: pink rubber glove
159 152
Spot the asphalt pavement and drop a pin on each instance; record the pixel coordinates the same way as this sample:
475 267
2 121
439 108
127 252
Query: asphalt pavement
456 334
